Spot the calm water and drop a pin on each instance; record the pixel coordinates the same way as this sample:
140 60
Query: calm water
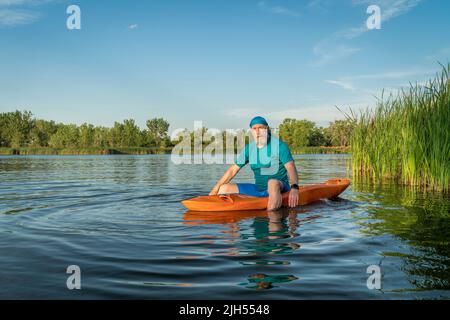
120 220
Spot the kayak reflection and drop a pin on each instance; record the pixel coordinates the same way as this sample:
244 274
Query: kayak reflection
259 235
195 218
262 244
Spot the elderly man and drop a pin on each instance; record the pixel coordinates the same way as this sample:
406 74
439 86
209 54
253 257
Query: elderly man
273 167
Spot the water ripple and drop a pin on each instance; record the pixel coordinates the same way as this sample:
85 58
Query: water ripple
120 219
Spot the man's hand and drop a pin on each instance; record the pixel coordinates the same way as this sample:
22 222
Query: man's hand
227 177
293 179
293 198
214 191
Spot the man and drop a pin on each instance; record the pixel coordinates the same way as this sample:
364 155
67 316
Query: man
273 167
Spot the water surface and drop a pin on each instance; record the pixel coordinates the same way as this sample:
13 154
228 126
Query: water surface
119 218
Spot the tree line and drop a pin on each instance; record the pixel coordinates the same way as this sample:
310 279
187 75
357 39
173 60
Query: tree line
20 129
304 133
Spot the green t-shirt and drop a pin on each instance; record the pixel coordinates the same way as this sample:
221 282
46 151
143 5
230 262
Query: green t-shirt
268 162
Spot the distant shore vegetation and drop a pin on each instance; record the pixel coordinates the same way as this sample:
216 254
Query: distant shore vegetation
22 134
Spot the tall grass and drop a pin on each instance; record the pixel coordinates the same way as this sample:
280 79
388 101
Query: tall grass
407 137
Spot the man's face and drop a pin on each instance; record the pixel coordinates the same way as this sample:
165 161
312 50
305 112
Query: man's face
260 133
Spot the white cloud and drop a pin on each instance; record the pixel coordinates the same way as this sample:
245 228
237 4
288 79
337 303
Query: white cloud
315 3
18 12
10 3
396 74
133 26
328 50
12 18
343 84
352 32
390 9
277 9
401 77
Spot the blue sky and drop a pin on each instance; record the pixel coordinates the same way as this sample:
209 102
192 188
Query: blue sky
216 61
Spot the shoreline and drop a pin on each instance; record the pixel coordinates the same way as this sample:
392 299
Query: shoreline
81 151
138 151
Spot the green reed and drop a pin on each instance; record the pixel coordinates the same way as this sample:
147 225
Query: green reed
406 137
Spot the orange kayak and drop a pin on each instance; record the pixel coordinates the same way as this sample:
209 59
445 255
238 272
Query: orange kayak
236 202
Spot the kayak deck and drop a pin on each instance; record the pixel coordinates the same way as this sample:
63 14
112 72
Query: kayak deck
237 202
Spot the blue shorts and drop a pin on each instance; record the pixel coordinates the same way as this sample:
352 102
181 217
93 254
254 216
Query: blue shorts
250 189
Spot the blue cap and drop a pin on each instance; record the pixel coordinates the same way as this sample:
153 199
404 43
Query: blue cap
258 120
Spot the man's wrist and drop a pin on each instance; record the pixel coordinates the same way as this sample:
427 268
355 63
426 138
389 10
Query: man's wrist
295 186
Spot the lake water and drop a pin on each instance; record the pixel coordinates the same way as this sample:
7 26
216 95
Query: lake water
119 219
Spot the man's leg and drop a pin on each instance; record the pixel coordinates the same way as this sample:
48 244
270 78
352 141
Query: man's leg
228 188
275 198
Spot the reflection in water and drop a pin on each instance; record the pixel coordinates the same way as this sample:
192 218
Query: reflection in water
258 241
120 219
264 281
204 218
422 222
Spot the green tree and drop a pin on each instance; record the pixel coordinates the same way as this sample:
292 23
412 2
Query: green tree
158 129
146 139
86 135
20 129
317 138
116 135
131 134
66 136
339 132
41 133
180 135
4 135
15 128
297 133
100 137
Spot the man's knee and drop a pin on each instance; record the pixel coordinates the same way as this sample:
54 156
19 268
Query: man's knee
226 188
274 185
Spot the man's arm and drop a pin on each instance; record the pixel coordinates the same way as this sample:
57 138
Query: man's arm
292 172
226 178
